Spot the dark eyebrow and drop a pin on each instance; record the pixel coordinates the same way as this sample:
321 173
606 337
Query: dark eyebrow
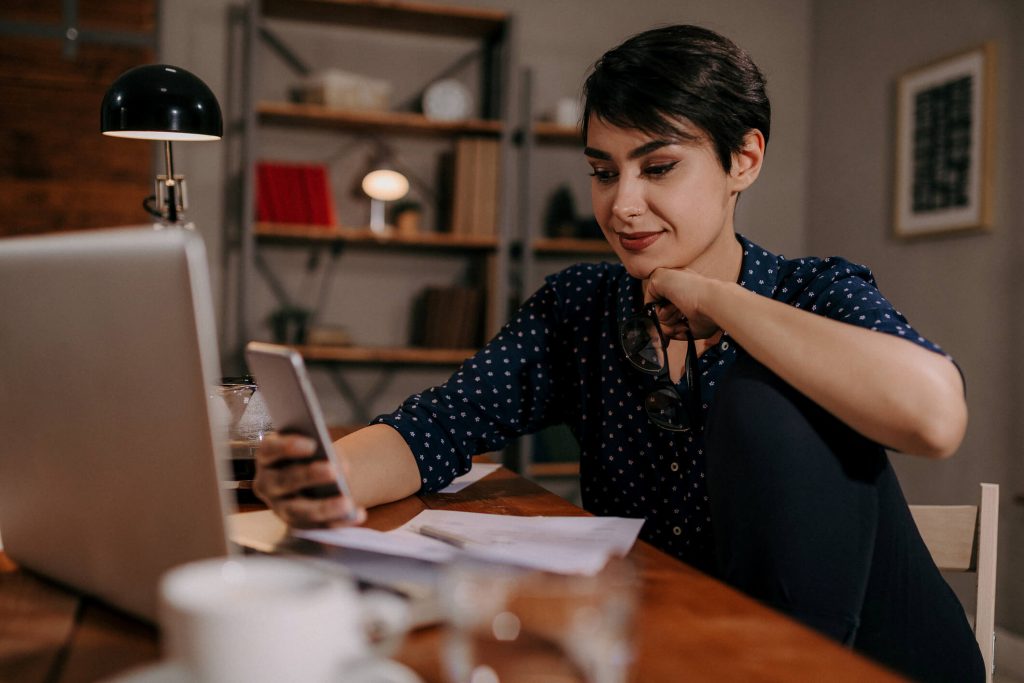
640 151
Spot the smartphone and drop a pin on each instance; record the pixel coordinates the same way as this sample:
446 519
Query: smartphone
284 384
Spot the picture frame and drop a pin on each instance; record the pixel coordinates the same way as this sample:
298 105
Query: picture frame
944 145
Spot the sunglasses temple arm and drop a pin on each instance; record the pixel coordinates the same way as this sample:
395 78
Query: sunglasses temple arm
693 379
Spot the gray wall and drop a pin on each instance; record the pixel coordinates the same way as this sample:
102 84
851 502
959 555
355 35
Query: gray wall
826 189
960 290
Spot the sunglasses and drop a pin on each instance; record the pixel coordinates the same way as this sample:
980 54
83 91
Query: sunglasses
646 348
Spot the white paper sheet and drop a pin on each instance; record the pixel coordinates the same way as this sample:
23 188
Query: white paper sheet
565 545
400 542
475 474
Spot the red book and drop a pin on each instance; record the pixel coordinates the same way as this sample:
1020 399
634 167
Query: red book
318 195
268 209
296 207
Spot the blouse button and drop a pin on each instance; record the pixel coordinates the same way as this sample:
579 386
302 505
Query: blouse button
674 466
725 346
677 531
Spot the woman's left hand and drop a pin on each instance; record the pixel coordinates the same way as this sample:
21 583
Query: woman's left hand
681 292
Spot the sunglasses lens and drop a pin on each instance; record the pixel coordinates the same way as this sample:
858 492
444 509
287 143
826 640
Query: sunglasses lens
665 408
642 344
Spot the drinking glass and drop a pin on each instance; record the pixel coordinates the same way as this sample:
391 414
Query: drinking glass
247 423
507 625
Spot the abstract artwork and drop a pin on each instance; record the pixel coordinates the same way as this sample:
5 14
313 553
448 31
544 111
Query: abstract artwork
944 145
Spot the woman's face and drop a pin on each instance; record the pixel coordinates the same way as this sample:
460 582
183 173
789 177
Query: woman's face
661 202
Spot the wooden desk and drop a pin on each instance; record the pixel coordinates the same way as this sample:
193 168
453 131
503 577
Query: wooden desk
690 627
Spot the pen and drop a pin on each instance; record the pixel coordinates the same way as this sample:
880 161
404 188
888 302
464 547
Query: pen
445 536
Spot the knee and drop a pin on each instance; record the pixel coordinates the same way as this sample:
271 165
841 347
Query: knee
754 422
762 430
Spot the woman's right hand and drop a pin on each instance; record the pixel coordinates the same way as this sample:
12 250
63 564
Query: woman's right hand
283 470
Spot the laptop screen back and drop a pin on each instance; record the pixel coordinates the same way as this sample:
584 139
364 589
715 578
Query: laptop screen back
109 459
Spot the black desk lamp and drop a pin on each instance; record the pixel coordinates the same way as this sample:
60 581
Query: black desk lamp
161 102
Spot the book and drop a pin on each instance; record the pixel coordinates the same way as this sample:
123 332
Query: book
294 193
448 317
268 203
475 187
488 176
318 195
464 186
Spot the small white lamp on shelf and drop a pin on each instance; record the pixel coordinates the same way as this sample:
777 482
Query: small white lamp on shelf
383 185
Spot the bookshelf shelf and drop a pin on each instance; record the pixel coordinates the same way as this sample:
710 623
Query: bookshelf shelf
286 232
289 113
553 133
558 246
398 15
377 355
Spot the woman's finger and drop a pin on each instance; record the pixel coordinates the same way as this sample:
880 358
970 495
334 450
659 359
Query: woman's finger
290 480
277 448
311 513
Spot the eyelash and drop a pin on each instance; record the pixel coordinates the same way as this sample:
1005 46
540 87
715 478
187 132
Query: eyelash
655 171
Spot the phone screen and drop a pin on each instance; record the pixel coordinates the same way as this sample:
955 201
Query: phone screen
288 393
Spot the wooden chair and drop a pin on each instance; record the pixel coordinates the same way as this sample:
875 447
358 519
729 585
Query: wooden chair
962 538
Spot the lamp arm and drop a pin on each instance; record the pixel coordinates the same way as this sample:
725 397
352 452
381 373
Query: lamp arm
172 199
171 195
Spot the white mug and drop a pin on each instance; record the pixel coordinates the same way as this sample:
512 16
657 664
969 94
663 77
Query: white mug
272 619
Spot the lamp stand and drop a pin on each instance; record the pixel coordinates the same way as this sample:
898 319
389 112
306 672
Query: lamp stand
171 197
377 222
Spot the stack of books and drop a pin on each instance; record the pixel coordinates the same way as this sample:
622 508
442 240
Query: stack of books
475 186
448 318
293 193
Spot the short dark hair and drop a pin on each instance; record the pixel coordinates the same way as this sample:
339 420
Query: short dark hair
677 72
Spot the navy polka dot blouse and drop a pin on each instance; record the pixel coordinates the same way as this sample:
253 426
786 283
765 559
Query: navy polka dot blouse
559 361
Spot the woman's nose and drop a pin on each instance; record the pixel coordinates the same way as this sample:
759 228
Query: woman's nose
629 201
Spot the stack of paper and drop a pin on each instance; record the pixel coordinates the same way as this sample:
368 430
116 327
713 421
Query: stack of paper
565 545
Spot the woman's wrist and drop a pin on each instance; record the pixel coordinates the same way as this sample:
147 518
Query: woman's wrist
717 298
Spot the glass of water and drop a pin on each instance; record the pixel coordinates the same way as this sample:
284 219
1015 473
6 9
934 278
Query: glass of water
509 625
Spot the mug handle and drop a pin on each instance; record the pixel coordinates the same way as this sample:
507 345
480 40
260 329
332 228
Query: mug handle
386 620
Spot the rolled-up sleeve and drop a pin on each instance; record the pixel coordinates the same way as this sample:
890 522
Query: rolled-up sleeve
845 291
509 388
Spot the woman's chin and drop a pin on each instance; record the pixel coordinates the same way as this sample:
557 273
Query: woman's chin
639 266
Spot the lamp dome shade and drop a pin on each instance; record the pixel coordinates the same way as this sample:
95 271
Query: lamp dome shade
385 185
160 102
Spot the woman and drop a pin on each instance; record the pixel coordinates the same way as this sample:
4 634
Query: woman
737 400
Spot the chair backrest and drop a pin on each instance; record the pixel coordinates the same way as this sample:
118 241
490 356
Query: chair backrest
962 538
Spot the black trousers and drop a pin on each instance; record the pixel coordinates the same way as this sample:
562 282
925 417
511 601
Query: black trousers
810 519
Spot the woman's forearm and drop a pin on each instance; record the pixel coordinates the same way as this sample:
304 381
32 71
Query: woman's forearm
379 464
889 389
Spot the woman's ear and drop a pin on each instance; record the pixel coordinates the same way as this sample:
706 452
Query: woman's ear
746 163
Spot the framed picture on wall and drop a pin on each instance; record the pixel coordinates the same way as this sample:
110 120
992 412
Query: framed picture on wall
944 131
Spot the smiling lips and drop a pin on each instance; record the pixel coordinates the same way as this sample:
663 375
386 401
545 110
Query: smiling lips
637 241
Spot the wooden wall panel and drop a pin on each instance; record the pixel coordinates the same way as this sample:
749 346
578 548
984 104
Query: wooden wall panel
57 172
123 15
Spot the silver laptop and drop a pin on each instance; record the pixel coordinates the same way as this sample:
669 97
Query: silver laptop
109 456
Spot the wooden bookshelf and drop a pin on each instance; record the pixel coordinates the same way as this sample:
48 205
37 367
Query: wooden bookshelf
395 15
296 114
286 232
554 246
376 355
547 132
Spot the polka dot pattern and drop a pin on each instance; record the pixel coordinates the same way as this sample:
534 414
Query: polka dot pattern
559 360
